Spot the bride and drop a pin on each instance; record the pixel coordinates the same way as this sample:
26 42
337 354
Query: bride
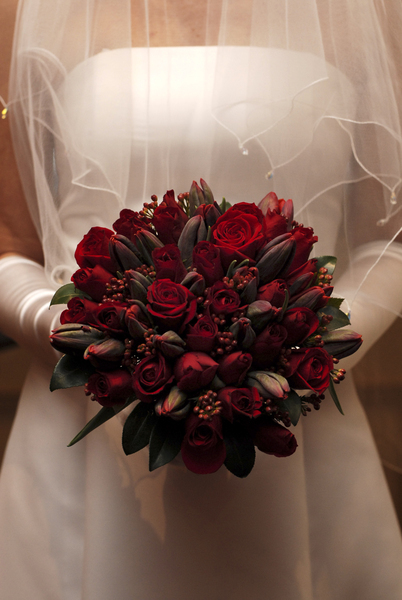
109 103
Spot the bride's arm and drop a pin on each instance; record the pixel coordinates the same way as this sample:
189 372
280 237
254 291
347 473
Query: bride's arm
24 290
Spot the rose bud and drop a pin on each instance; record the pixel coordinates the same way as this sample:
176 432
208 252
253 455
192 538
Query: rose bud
223 300
273 292
194 282
194 371
124 253
92 281
309 368
201 337
176 405
203 449
78 310
168 263
260 314
72 337
210 213
272 438
109 350
269 385
243 332
239 402
110 316
169 219
146 243
207 261
314 298
93 249
300 323
169 343
276 260
233 367
342 342
170 304
129 223
110 388
304 239
193 232
268 345
151 377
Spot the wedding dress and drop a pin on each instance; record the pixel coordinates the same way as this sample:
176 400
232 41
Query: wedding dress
87 522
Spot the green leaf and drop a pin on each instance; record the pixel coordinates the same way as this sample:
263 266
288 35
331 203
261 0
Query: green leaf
326 262
335 302
293 405
339 319
70 371
240 451
137 429
105 413
224 205
165 442
66 292
335 396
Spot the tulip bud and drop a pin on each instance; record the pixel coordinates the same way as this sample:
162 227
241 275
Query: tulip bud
243 332
194 282
176 405
138 285
276 260
207 193
314 298
261 313
287 212
301 283
124 253
169 343
108 350
269 202
269 385
342 342
193 232
196 197
146 243
74 337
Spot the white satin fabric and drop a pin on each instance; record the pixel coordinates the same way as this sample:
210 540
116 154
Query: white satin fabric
88 523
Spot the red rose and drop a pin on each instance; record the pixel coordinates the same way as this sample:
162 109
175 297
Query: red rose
274 292
305 239
309 368
203 449
169 219
168 263
223 300
250 208
201 337
92 281
151 377
307 267
93 249
207 261
110 388
233 367
78 311
110 317
239 402
239 235
172 305
129 223
275 224
194 371
272 438
268 344
300 323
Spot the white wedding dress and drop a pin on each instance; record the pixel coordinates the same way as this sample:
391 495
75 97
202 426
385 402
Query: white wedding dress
89 523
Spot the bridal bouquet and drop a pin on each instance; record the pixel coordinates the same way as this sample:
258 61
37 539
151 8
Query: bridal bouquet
212 319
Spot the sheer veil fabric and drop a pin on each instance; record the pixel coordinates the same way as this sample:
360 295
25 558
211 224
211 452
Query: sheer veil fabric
112 101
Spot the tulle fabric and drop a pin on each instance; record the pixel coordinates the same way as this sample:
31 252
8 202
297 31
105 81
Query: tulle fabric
331 65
